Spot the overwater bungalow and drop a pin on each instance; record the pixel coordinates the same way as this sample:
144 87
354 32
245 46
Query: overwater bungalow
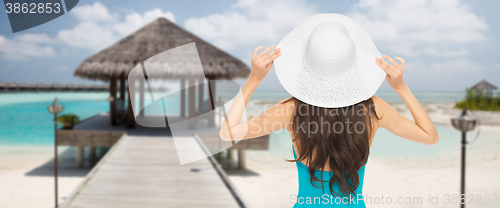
68 87
115 62
23 86
121 178
82 87
3 86
12 86
55 87
104 87
17 87
39 87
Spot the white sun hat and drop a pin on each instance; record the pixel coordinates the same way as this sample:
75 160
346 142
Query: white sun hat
329 61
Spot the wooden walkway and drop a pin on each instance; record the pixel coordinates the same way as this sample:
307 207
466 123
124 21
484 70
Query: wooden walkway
144 171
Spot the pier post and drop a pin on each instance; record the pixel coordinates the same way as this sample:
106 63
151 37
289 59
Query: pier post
93 152
79 156
242 159
141 97
122 88
130 114
211 94
191 103
200 95
112 104
183 97
230 157
230 154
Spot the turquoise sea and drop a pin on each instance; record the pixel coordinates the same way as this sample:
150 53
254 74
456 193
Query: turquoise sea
25 120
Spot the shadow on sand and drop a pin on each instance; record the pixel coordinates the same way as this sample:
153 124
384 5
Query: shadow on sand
240 172
67 164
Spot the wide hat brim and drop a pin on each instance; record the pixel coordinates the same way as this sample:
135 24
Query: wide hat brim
359 83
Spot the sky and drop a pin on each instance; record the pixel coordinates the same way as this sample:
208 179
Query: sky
448 45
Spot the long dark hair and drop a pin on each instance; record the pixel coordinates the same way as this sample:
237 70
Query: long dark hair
337 136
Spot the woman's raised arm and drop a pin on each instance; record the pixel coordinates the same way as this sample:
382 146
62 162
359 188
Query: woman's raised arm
422 130
272 120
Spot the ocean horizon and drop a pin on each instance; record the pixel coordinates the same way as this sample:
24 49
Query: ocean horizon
26 121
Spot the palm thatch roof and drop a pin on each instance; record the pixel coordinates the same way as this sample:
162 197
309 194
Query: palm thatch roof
22 85
484 85
55 86
40 86
154 38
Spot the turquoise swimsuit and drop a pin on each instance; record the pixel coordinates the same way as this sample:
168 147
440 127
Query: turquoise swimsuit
310 196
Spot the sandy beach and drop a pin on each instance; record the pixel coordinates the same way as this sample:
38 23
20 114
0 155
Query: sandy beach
26 172
26 176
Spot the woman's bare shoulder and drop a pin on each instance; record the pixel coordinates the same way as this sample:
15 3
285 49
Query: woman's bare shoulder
380 105
377 99
287 102
385 112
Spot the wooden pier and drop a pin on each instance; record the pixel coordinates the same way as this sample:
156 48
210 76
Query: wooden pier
142 169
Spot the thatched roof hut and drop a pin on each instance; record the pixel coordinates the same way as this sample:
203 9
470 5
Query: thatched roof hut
484 85
103 87
3 86
154 38
12 86
115 63
22 86
68 87
94 87
40 86
55 87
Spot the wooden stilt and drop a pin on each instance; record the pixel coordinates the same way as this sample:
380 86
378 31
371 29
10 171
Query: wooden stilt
79 156
112 93
211 94
130 113
141 97
122 87
183 97
191 104
93 152
242 159
200 95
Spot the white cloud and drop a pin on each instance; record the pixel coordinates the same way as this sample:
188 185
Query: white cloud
250 23
420 27
24 46
90 35
134 20
94 13
97 28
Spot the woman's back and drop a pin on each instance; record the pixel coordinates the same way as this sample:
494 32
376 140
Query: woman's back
331 159
318 195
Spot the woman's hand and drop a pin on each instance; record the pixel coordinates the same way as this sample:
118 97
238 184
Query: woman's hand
394 72
262 62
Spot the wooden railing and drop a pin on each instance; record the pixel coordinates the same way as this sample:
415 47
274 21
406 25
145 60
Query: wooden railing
92 139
